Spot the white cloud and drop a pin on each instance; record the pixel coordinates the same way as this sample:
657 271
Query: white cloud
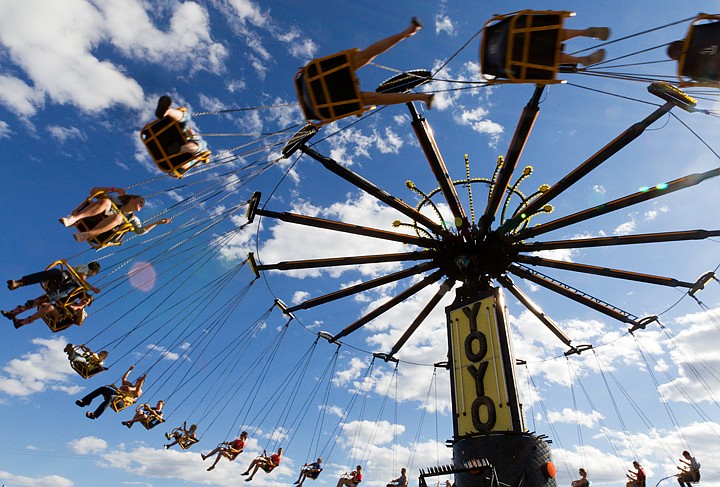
4 129
131 31
61 134
627 227
22 481
30 30
45 368
567 415
443 23
299 297
88 444
313 243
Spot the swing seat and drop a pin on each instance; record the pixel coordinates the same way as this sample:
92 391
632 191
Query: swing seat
328 89
149 422
267 467
63 321
90 367
313 473
121 401
163 139
523 47
81 284
106 239
699 62
186 442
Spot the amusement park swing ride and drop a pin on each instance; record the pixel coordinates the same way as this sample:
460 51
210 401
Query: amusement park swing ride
479 257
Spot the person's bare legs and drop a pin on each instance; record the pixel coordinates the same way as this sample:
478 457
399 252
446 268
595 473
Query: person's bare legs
105 225
588 60
373 98
602 33
217 459
94 208
46 309
361 58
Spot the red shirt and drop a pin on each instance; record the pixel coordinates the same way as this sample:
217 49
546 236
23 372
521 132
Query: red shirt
357 477
275 459
641 474
237 444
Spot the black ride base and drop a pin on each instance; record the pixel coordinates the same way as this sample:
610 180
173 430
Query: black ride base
502 459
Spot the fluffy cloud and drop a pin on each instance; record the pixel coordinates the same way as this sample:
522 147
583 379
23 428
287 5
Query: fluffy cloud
45 368
87 445
30 32
23 481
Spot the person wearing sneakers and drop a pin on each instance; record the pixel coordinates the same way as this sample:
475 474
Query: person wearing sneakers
145 412
57 279
309 470
265 462
129 389
127 204
196 144
227 449
183 435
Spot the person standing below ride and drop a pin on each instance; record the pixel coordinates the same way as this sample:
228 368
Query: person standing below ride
401 481
128 389
582 481
46 308
638 478
311 470
183 435
145 412
265 462
351 479
196 144
692 471
58 279
227 449
127 204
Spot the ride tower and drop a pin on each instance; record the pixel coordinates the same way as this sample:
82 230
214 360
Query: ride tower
491 445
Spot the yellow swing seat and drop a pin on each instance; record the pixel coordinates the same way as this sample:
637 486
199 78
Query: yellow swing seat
523 47
328 89
90 367
313 473
699 62
121 401
163 138
62 304
68 270
106 239
185 441
151 418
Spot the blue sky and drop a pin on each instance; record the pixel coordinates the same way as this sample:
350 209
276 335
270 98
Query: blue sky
79 78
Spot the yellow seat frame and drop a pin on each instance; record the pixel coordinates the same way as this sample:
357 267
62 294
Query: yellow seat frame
111 237
150 420
90 367
121 401
156 134
317 86
686 81
61 305
524 35
185 441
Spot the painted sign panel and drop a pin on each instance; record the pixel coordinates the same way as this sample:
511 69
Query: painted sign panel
480 359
